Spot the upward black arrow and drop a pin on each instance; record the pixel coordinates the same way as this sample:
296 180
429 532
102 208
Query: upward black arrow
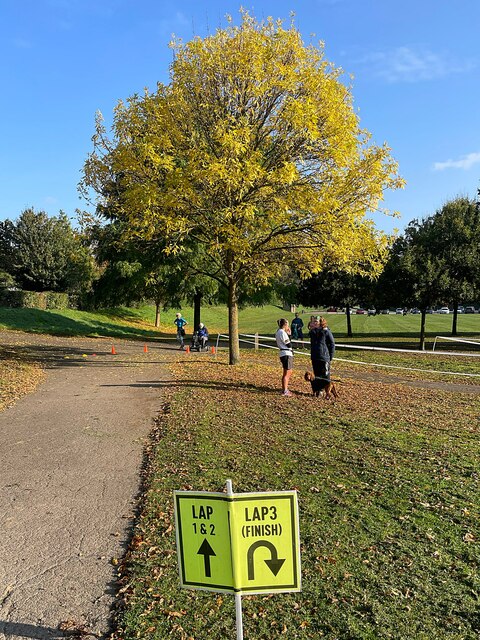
206 551
275 564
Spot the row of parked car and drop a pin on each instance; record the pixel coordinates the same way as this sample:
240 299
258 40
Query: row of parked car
402 311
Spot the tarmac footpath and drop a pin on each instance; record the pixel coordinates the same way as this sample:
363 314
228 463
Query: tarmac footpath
70 463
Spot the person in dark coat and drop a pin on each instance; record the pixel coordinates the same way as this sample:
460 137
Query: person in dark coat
202 335
322 348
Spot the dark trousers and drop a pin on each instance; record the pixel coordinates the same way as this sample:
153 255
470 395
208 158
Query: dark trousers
321 369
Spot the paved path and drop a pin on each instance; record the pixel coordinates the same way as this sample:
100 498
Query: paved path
70 460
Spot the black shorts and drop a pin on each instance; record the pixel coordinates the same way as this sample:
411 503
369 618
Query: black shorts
287 362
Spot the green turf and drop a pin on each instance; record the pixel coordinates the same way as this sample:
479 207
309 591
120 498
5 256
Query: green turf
68 322
138 323
389 503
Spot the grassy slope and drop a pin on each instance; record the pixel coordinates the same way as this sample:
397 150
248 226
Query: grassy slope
389 498
132 322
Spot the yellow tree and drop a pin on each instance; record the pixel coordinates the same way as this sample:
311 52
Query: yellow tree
251 159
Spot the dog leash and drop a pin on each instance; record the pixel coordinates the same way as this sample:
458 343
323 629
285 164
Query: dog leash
328 379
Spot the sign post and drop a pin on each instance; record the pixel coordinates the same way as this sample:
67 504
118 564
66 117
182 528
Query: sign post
238 596
238 543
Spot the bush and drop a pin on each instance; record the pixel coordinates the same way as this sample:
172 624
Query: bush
33 299
56 300
11 298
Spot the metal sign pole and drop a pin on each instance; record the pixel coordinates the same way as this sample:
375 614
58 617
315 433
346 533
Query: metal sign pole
238 597
218 341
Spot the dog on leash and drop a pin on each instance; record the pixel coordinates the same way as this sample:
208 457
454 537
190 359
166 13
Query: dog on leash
320 384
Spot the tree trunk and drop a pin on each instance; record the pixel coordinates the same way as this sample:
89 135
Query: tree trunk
233 343
454 321
422 330
349 322
197 303
157 313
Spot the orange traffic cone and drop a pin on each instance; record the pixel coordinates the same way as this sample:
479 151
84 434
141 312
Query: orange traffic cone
114 353
187 349
213 350
145 348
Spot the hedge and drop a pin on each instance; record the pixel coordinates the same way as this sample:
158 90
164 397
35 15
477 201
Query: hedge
34 299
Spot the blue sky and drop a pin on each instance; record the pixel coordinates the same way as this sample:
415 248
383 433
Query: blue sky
416 68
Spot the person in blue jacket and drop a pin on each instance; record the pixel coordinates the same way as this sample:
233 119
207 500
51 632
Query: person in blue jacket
322 348
202 335
180 323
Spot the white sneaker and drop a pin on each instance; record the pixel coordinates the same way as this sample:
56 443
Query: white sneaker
287 393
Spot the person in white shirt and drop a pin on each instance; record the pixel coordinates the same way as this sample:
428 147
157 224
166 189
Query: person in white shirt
286 353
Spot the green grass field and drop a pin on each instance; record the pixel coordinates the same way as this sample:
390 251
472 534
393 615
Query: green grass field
138 323
389 494
387 477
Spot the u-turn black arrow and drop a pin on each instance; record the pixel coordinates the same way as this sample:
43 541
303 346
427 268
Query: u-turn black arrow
275 564
206 551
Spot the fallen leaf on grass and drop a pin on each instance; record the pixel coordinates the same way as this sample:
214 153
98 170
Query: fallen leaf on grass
174 614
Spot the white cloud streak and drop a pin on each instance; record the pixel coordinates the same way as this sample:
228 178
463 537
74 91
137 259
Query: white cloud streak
407 64
465 162
22 43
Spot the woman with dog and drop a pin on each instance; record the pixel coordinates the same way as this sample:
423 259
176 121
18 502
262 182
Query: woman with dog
286 353
322 348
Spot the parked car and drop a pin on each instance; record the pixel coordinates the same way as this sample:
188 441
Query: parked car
415 311
460 309
360 311
429 311
469 309
372 312
399 311
444 310
385 311
332 310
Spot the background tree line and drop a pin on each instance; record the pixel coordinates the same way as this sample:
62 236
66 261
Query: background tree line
434 261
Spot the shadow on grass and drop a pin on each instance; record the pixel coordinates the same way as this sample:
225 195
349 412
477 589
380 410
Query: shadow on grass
200 384
51 323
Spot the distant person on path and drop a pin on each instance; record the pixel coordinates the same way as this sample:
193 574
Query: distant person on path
322 348
202 335
311 322
180 323
286 354
297 329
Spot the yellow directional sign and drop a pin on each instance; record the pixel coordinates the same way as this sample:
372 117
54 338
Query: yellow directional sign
203 540
244 543
265 542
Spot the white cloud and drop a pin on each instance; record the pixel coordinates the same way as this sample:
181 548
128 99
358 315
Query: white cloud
22 43
466 162
407 64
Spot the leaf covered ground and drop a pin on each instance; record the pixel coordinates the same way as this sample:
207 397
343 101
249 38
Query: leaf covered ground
18 376
388 483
